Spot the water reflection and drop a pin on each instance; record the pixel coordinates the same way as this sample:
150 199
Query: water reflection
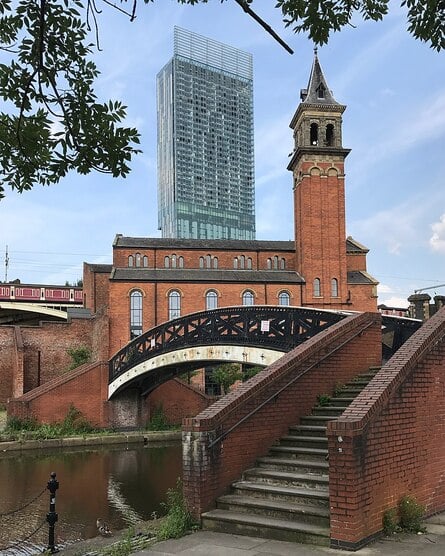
121 485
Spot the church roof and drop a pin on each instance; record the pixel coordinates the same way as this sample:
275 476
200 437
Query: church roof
317 91
353 246
200 244
358 277
206 275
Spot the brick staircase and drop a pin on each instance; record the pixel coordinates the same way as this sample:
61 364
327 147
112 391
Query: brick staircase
286 496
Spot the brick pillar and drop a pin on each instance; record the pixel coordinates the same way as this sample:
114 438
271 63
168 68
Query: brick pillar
419 306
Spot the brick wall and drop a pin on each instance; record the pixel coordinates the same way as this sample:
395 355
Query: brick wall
178 400
85 388
288 389
391 441
8 360
155 302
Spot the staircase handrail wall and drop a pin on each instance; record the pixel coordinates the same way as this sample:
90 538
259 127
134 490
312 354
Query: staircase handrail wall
390 441
291 386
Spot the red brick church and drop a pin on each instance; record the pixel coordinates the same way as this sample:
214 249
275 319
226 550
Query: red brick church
152 280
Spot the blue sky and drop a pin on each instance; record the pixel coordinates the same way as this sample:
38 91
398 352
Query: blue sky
394 89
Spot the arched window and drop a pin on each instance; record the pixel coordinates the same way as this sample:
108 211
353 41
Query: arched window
145 261
167 261
249 263
317 287
284 298
201 262
211 300
334 287
235 263
269 264
138 259
314 134
329 135
275 262
208 261
243 262
215 262
282 264
248 298
181 262
135 314
173 259
130 260
174 304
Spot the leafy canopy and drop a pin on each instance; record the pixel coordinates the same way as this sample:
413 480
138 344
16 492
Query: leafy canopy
51 121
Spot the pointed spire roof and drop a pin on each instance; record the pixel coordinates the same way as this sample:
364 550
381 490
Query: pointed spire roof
317 91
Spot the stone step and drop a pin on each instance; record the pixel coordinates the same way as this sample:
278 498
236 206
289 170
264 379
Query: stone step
317 420
280 509
342 401
294 494
286 478
299 452
265 527
308 430
328 410
304 441
294 464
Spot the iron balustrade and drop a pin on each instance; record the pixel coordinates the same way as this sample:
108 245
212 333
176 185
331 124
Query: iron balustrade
274 327
395 332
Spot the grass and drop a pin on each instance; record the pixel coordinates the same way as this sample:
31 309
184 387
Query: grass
73 424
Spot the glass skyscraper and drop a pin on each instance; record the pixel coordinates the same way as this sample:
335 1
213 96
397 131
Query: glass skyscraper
205 141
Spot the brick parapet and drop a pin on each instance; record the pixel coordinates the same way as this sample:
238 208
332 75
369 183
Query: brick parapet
226 438
390 442
302 356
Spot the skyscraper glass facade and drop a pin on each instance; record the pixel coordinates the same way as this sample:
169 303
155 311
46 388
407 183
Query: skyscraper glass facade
205 141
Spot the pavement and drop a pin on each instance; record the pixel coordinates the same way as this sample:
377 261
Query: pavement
207 543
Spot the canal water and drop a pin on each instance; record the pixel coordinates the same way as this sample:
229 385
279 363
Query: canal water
121 485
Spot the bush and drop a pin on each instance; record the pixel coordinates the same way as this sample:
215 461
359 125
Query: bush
158 421
226 375
406 517
79 356
178 520
73 423
410 515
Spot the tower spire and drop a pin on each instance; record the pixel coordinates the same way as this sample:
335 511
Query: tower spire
317 91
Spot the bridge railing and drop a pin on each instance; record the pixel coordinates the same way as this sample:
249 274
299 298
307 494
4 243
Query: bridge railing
395 332
278 327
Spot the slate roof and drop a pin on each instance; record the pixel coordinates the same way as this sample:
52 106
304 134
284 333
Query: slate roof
204 275
358 277
202 244
353 246
317 91
101 268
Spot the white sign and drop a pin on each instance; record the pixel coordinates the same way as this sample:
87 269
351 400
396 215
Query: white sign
264 326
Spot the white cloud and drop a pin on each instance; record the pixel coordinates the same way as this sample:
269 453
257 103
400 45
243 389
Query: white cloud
437 240
394 301
384 288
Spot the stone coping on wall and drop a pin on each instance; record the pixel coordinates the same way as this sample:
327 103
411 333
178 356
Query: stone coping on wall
375 397
127 437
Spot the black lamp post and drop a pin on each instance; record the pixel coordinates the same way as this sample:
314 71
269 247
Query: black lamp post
52 516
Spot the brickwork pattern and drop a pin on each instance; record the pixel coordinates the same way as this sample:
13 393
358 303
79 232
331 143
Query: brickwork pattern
279 395
85 388
178 400
390 442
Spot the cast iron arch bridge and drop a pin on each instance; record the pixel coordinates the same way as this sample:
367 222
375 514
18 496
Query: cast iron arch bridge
254 335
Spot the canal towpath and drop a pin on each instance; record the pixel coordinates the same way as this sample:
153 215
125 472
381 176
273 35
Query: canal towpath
208 543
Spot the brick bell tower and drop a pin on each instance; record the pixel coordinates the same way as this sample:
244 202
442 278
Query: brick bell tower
317 165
